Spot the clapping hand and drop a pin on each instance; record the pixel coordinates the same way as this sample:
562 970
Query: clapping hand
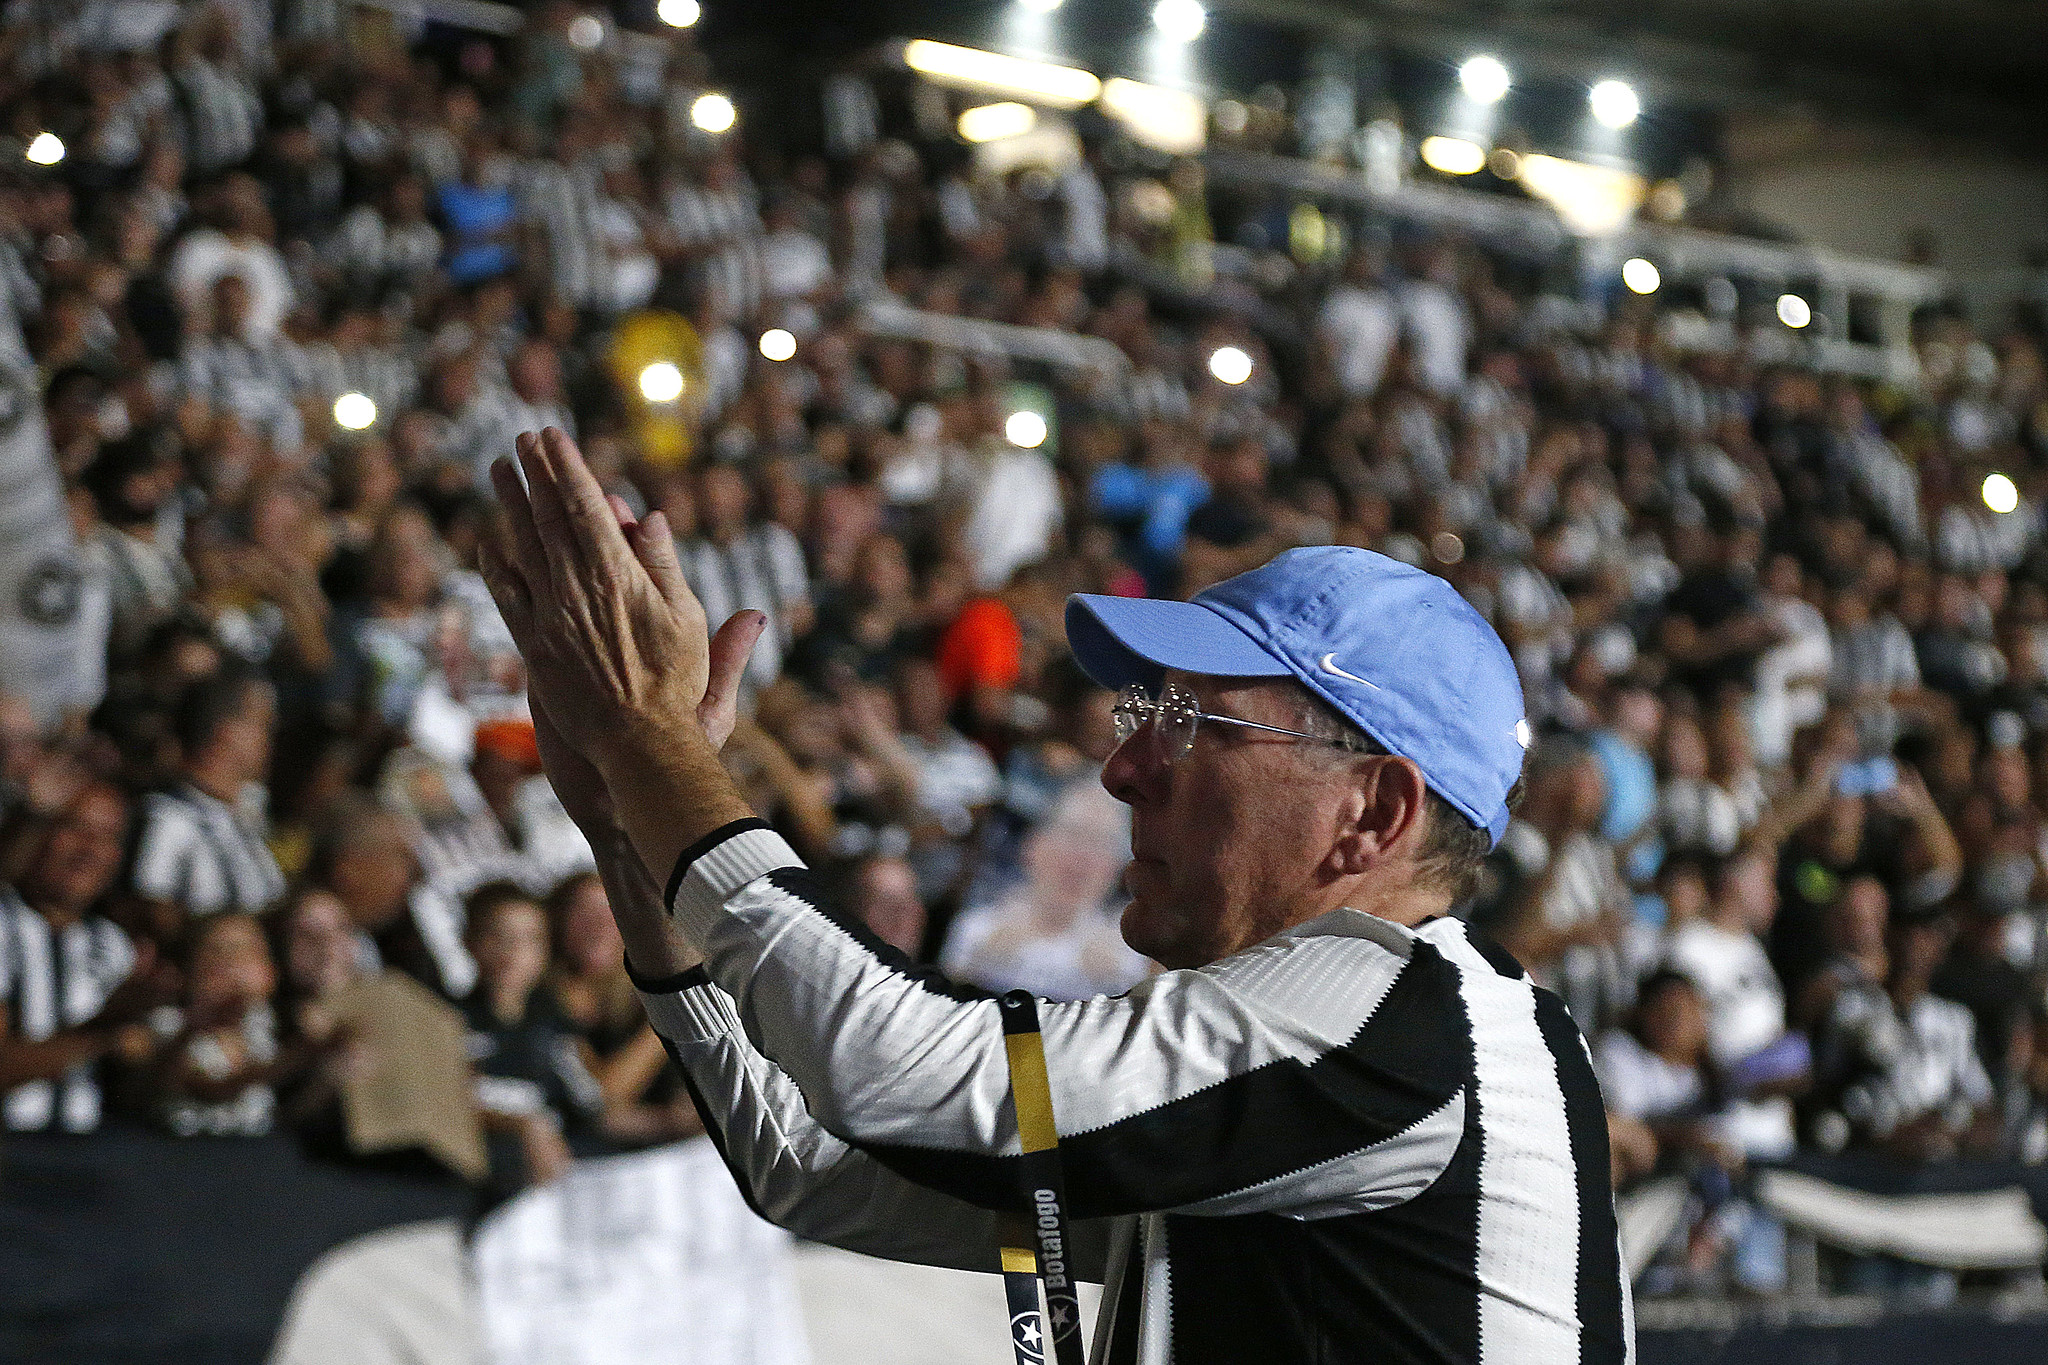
614 640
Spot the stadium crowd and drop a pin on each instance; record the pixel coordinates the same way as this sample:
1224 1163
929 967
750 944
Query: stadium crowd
1781 843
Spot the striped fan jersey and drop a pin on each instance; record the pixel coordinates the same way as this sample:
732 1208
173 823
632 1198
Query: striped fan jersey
1354 1142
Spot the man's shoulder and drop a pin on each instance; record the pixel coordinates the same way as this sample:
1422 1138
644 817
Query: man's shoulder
168 808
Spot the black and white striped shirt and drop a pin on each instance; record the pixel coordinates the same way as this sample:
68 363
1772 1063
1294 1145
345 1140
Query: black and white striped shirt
726 226
1353 1142
52 980
761 568
198 853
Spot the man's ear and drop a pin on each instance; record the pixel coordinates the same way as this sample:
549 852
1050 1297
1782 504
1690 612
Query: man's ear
1384 815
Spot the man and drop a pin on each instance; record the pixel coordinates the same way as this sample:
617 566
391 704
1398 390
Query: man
1335 1129
366 857
199 852
72 988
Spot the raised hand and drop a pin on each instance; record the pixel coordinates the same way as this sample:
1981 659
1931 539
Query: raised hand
614 639
513 566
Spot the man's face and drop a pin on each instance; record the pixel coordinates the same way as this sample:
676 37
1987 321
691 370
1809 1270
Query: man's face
82 853
247 735
1229 838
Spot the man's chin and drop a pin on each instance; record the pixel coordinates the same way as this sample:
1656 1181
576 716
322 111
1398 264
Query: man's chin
1149 933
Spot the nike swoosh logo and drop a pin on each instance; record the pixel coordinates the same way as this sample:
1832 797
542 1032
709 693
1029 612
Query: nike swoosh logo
1330 666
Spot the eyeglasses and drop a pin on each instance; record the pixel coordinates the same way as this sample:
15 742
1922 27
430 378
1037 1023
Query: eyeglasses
1175 717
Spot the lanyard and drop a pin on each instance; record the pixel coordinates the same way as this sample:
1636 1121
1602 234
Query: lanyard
1042 1252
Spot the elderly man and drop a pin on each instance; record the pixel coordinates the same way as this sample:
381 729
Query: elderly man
1335 1129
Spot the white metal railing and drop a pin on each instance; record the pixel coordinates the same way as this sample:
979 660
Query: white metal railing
1069 350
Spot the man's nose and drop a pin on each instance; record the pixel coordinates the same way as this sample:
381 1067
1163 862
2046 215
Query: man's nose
1133 770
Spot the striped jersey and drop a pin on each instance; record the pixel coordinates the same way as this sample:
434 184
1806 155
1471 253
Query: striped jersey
51 980
198 852
1352 1142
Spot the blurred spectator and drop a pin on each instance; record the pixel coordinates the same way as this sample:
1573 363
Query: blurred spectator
200 851
736 561
1913 1083
365 857
1723 953
1558 903
75 989
948 778
1055 934
1359 324
644 1100
135 548
1658 1079
220 1057
885 900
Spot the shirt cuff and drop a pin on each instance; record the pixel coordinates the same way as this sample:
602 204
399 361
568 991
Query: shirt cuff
714 870
697 1014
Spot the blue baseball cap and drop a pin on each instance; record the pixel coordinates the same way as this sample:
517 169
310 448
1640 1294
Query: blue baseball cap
1396 650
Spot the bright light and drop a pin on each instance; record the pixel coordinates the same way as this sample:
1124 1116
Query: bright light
46 150
1025 428
1040 6
2000 493
991 122
1593 201
1452 155
1640 276
355 412
585 32
1484 79
679 13
1230 365
1794 311
1180 20
713 113
1063 86
661 382
1614 103
778 344
1162 118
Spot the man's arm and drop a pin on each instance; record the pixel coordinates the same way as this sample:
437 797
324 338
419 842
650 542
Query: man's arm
116 1027
793 1172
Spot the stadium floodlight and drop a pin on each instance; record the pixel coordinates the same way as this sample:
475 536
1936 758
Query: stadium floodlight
2001 494
1182 21
1064 87
1484 79
1026 429
1794 311
1230 365
713 112
661 382
586 32
1614 103
1640 276
45 149
355 412
778 343
1452 155
993 122
679 13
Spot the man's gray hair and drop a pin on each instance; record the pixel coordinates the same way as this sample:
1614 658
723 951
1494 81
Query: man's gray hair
1453 848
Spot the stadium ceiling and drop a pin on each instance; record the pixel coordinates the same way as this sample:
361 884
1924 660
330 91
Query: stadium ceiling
1946 67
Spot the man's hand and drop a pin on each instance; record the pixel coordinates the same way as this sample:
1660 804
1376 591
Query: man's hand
630 697
613 637
576 780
